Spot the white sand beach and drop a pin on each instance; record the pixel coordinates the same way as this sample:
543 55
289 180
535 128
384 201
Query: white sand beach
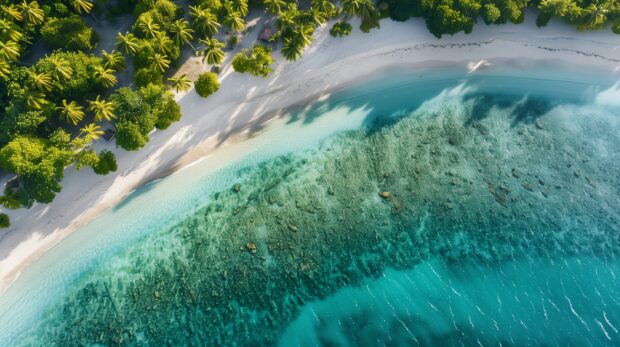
245 103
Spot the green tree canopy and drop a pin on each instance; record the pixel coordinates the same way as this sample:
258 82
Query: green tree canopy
256 61
39 164
76 70
207 84
70 33
106 163
4 220
129 136
341 29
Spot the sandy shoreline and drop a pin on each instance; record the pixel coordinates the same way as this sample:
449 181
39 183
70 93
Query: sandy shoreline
245 103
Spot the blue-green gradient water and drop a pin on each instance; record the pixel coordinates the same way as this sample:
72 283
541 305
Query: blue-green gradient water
421 207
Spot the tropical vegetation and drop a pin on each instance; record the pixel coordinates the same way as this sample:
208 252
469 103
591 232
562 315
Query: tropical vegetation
256 61
207 84
60 94
4 221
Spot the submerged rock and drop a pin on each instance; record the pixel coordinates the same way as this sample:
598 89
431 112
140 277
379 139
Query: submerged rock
385 195
250 246
481 128
539 124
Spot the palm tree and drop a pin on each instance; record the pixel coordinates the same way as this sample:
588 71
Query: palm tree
105 76
363 8
204 21
366 9
91 132
113 60
82 6
304 34
102 109
240 6
163 44
5 69
61 68
234 21
555 7
9 31
293 48
147 26
9 50
181 32
181 83
71 112
128 42
33 13
159 62
212 52
34 100
12 12
317 16
274 6
287 19
325 6
43 81
595 15
10 199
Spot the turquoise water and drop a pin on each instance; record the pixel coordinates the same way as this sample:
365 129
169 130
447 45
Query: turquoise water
422 207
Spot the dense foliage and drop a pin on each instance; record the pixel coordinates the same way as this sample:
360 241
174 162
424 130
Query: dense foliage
4 221
58 94
106 163
340 29
71 33
207 84
256 61
58 97
452 16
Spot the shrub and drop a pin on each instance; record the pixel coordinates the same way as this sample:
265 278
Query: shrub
491 14
163 106
146 76
207 84
256 61
4 220
130 106
86 158
543 19
616 27
340 29
106 164
129 136
70 33
168 113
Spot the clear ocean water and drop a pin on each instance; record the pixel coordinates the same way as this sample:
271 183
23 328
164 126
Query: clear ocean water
432 207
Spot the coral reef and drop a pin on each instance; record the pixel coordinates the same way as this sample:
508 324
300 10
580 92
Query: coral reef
469 180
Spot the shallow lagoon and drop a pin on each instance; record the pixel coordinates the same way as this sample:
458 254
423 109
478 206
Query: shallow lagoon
428 206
